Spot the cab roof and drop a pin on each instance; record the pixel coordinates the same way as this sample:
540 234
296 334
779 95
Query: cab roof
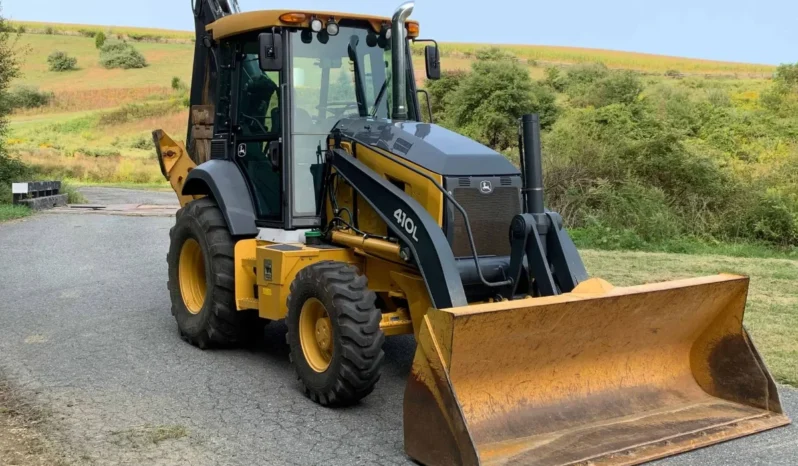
257 20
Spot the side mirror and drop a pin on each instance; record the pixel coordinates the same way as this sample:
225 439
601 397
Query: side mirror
433 62
270 46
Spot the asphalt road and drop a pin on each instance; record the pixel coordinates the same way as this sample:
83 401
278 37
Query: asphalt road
85 331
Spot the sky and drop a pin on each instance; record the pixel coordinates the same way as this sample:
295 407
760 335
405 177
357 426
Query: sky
731 30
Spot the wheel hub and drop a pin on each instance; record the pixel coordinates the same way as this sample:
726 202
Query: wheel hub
191 275
316 335
324 334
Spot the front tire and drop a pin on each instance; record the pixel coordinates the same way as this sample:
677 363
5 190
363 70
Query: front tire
202 279
334 333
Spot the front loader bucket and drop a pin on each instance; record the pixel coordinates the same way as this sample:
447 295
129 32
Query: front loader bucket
602 375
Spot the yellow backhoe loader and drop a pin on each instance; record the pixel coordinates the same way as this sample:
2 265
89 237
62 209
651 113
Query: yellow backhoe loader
311 191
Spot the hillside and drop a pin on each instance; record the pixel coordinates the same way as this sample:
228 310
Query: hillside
100 119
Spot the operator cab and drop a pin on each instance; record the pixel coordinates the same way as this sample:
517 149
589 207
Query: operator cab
279 81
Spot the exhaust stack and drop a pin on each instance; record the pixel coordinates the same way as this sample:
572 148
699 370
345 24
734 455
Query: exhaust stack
399 60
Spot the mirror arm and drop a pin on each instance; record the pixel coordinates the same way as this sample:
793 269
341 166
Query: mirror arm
429 104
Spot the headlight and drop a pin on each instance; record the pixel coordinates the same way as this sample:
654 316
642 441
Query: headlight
316 25
332 28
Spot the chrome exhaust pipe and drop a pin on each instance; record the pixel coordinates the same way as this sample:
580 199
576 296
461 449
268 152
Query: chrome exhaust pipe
399 60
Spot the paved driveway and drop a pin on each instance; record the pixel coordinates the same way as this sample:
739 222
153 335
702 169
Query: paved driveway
85 331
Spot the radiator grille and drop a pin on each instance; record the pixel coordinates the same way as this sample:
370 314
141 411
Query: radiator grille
490 216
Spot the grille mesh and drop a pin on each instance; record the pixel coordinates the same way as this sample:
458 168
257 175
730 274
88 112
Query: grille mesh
490 216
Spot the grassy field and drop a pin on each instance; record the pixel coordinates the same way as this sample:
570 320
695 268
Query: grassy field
164 60
772 311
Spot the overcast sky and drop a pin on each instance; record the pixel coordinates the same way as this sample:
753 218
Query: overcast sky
761 31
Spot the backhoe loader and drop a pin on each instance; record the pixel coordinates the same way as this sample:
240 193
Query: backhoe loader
313 192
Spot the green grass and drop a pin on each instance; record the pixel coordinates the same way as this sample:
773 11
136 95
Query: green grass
604 239
772 311
13 212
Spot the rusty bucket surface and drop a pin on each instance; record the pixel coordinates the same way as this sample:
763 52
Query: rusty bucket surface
602 375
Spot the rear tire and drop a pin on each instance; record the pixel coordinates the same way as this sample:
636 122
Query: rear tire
203 303
351 365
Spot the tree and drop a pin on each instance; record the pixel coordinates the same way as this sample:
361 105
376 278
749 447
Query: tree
10 169
488 103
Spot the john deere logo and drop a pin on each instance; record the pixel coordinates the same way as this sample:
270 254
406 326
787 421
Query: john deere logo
485 187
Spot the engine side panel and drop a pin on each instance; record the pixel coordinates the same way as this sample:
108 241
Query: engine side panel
415 185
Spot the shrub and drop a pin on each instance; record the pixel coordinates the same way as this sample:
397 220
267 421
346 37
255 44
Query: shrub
787 74
49 30
617 87
87 32
99 40
582 75
22 29
60 61
555 79
28 97
490 100
177 84
439 90
121 55
493 54
674 74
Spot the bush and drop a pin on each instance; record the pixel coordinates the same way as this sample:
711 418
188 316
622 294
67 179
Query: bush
555 79
22 29
623 168
439 90
28 97
99 40
49 30
121 55
177 84
674 74
787 74
493 54
60 61
618 87
489 101
87 32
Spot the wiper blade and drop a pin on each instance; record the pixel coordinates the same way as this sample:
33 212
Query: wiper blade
381 94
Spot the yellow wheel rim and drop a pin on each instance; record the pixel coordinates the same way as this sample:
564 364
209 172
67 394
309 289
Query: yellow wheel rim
315 335
192 276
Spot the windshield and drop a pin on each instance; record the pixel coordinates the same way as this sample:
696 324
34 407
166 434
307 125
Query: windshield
334 77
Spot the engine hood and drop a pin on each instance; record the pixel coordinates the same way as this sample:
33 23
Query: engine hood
433 147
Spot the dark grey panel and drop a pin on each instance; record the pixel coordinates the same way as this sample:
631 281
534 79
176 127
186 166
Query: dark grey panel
223 180
430 146
285 247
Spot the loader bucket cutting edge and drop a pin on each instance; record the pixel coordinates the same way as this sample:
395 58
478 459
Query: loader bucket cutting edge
602 375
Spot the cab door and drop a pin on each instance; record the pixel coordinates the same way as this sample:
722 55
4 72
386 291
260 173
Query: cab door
257 131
